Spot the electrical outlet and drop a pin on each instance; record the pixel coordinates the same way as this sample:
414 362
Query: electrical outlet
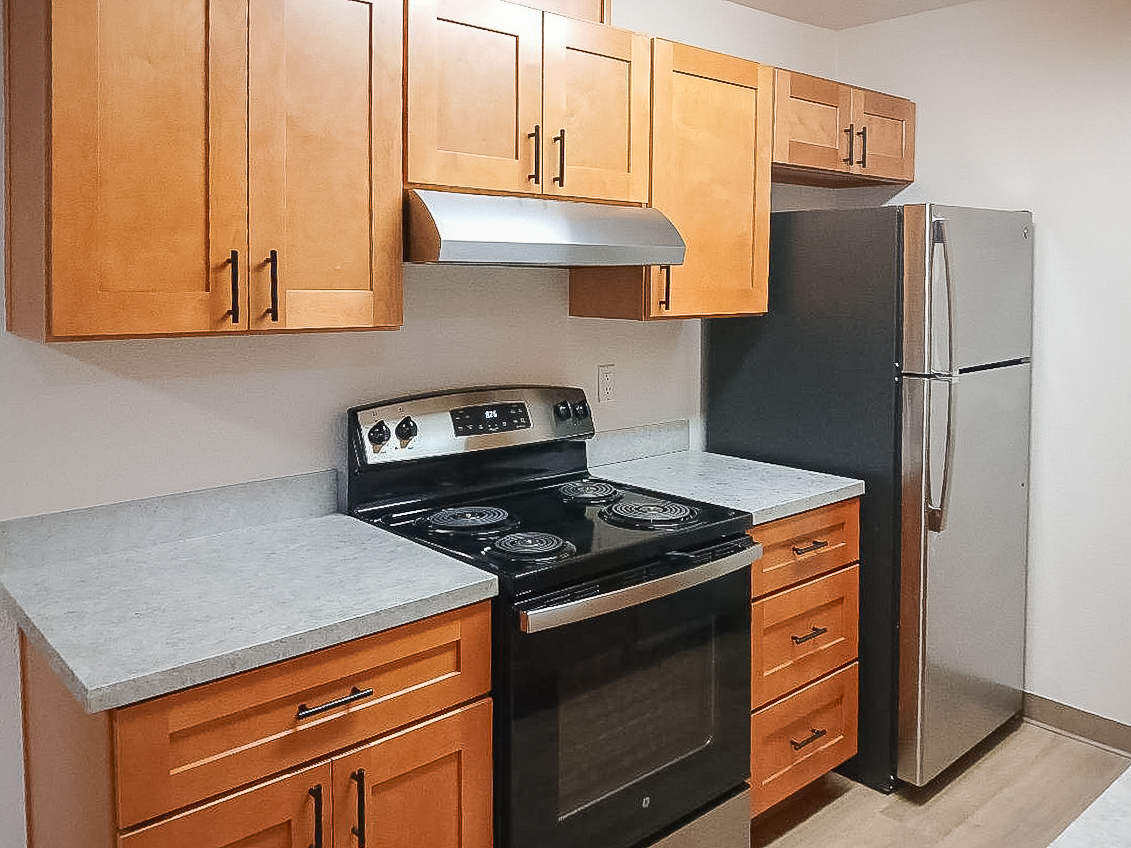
606 383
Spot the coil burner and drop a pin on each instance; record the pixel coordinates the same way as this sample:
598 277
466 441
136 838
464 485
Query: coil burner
648 515
468 520
531 547
589 492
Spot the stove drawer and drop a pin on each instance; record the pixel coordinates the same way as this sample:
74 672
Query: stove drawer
801 633
799 738
802 546
190 745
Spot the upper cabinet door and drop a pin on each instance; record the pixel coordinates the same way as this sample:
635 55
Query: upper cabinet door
885 135
325 163
147 167
713 118
828 133
474 94
813 121
595 109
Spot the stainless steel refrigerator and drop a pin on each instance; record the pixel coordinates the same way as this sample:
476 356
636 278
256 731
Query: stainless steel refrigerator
896 350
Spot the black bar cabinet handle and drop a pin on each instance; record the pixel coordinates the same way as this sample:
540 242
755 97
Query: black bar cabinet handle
851 133
359 831
234 261
355 695
816 545
316 794
560 139
812 634
809 740
537 136
863 147
666 300
273 260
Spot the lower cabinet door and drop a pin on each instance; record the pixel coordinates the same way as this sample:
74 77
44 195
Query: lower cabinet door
428 786
292 811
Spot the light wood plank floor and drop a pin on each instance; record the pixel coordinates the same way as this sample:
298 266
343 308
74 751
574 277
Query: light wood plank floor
1018 790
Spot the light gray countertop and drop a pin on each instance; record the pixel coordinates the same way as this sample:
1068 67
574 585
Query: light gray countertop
767 491
124 624
135 600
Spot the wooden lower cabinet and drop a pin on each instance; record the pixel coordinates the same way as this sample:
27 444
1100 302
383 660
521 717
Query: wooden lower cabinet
287 812
804 635
389 735
425 787
428 786
801 737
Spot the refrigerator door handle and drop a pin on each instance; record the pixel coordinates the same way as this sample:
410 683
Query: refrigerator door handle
937 513
940 237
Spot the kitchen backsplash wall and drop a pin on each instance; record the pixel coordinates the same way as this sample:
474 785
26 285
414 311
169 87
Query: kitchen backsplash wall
99 422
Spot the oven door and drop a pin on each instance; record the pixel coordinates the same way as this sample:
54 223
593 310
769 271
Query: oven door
624 706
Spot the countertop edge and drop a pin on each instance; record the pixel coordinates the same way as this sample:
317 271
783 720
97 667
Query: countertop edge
114 695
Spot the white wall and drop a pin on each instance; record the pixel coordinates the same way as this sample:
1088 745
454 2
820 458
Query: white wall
1025 104
89 423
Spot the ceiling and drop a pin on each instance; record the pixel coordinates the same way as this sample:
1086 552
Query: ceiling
845 13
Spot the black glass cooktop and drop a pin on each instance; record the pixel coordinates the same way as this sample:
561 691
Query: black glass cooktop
544 536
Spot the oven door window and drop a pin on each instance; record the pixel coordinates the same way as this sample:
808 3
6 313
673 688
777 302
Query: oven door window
623 724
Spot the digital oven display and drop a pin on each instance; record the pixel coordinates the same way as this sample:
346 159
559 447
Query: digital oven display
490 418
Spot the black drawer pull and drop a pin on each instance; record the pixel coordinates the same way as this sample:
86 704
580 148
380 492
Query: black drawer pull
273 261
816 545
851 133
359 831
809 740
355 695
560 139
537 136
234 261
812 634
316 794
863 147
666 300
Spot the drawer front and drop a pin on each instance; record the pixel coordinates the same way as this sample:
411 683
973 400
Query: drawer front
802 546
800 738
181 748
802 633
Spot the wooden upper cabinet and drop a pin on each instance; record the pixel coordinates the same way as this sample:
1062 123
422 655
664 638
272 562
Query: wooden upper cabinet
828 133
146 151
183 141
325 164
474 93
595 110
599 11
497 90
711 124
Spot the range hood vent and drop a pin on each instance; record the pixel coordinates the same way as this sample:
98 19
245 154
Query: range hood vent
476 229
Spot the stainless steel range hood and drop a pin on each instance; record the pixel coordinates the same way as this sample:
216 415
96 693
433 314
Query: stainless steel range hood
476 229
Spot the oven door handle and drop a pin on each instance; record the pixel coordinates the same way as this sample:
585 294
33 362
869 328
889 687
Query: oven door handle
571 612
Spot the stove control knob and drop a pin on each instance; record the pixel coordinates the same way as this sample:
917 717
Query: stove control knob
407 430
379 434
581 409
563 411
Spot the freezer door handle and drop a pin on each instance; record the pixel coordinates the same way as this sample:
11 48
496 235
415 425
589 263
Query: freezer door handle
937 513
941 238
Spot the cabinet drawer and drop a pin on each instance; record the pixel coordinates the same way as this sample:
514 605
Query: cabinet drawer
799 738
190 745
799 634
805 545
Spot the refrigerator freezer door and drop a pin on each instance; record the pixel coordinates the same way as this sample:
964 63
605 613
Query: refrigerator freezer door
968 281
963 588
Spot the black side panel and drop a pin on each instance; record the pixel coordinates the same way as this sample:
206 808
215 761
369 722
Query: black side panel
815 384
